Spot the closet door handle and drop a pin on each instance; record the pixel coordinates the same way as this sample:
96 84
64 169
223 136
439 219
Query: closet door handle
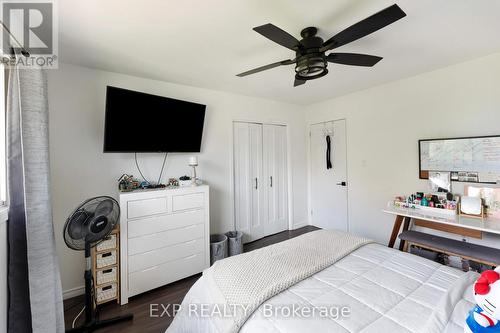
256 183
271 179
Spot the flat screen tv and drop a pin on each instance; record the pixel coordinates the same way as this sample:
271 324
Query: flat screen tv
140 122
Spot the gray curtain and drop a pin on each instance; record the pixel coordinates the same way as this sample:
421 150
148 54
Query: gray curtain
35 296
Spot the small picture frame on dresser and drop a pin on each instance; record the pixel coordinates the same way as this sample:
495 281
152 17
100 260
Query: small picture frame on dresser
471 207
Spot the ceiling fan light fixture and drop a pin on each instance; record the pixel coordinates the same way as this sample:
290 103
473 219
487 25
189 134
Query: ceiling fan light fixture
311 66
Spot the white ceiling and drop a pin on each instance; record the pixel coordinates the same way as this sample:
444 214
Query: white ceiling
205 43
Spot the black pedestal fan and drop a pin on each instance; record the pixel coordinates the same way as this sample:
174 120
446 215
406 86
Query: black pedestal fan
86 227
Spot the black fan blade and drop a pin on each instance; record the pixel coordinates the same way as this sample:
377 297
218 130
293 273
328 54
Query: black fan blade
353 59
104 207
266 67
279 36
365 27
298 82
76 225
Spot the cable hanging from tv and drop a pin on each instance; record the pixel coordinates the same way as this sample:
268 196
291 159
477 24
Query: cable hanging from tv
149 184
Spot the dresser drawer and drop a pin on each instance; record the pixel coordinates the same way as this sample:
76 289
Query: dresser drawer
146 207
149 259
161 223
187 201
166 273
155 241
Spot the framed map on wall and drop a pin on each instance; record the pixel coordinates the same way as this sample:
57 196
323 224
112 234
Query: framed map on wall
471 159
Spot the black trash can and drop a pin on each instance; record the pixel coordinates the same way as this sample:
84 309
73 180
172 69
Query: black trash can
235 242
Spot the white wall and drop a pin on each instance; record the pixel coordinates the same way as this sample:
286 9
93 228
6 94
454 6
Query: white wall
80 170
384 124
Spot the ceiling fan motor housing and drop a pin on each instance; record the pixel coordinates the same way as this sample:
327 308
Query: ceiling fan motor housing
311 63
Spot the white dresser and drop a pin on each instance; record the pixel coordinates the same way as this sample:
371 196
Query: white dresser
164 237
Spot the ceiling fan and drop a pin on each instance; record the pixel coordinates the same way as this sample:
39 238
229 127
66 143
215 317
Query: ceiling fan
310 59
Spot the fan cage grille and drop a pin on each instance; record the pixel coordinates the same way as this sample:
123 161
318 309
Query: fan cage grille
77 227
311 66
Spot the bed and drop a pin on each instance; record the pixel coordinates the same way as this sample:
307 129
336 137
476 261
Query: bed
385 290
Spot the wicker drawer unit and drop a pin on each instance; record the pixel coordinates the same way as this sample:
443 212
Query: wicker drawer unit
106 268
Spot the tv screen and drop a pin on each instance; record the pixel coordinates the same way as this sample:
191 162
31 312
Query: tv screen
139 122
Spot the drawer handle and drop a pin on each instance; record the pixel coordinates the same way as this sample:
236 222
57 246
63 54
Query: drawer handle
106 288
107 271
104 255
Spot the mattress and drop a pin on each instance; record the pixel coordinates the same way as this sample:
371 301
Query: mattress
380 289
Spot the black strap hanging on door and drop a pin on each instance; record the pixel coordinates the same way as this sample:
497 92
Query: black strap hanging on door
328 152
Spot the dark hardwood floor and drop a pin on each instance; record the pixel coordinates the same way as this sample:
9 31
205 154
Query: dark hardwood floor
173 293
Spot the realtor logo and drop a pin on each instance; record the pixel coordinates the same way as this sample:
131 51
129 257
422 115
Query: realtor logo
30 29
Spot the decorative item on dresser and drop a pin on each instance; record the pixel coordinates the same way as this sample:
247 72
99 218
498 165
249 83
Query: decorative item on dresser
164 237
185 181
193 162
106 268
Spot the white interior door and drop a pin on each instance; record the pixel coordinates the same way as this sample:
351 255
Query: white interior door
328 187
248 196
275 178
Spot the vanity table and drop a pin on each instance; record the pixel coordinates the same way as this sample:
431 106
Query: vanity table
455 224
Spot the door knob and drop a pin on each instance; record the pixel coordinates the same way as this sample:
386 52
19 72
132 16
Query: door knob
342 184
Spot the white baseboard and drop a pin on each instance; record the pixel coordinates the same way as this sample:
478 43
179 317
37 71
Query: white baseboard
73 292
299 225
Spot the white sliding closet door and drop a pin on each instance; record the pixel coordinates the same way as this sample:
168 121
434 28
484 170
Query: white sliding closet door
275 175
260 179
248 196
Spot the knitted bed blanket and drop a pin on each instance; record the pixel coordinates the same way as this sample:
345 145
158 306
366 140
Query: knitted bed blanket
240 284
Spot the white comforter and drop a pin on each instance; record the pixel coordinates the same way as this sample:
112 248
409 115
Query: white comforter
385 290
